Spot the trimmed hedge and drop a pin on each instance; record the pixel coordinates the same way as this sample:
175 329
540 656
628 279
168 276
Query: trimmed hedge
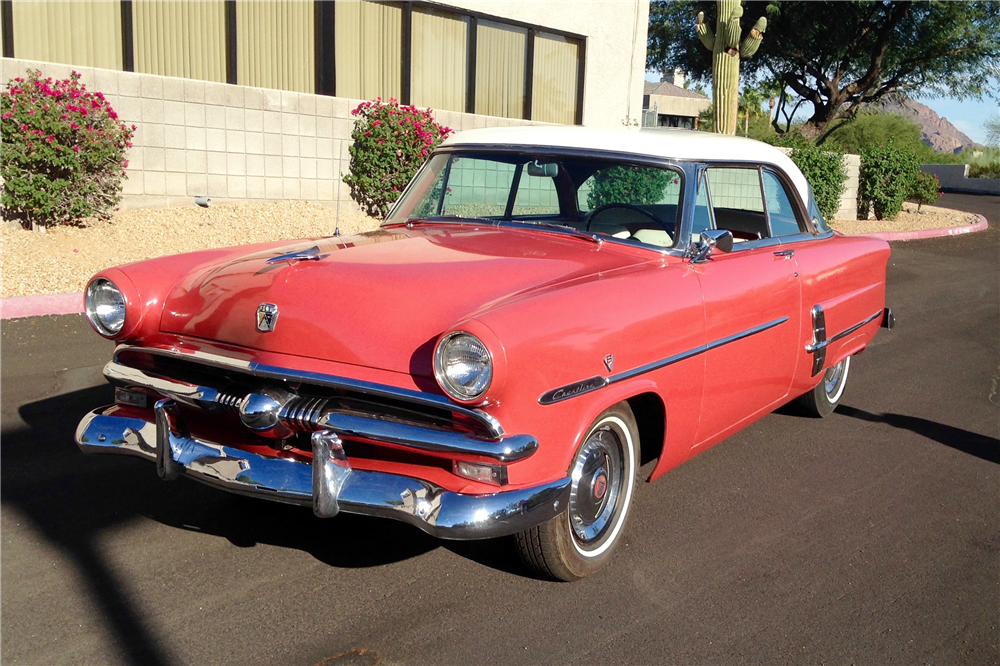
389 143
824 169
64 151
888 174
926 189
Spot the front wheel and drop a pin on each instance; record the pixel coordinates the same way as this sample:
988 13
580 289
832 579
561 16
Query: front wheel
823 399
581 540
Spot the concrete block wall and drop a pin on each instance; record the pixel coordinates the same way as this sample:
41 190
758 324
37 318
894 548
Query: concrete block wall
955 178
227 142
849 199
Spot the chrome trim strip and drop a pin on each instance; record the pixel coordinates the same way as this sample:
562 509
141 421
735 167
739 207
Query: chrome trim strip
819 338
441 513
332 381
820 342
508 448
595 383
847 331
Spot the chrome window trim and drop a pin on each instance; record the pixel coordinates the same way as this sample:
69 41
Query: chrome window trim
333 381
594 383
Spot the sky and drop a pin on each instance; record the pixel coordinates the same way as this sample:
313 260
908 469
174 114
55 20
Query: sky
969 116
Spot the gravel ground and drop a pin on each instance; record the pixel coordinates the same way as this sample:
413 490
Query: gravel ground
63 259
929 217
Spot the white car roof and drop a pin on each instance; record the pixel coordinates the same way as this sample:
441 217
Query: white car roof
678 144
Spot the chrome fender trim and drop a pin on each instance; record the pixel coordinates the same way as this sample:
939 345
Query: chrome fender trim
439 512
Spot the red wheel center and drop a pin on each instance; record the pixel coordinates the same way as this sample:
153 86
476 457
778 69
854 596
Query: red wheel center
600 485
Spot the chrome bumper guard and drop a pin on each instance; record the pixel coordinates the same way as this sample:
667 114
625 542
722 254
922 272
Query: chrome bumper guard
329 484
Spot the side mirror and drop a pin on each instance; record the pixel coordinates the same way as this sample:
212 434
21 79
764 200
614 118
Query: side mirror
711 239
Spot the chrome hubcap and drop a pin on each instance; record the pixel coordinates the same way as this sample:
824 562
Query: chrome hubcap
833 380
596 486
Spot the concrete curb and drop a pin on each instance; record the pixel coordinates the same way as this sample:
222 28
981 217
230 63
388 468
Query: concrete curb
60 304
37 306
982 225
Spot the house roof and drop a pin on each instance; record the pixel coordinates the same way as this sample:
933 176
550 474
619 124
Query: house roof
669 90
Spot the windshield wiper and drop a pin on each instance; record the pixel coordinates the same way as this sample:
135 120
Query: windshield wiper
460 219
563 229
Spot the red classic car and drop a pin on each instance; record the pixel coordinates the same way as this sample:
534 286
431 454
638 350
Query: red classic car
543 310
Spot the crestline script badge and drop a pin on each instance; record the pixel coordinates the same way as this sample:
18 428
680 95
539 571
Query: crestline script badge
267 317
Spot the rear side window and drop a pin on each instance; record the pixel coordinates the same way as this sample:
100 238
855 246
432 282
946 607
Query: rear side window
737 201
780 211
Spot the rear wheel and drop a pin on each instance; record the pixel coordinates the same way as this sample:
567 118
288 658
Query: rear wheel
823 399
580 541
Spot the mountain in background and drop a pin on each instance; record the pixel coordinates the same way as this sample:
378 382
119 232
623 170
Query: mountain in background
939 133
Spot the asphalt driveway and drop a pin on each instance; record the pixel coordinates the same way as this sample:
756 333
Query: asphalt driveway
868 537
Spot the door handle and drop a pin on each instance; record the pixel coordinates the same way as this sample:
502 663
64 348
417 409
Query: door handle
787 254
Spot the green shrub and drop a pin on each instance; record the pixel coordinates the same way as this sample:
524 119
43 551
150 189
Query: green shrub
886 179
64 151
824 169
389 143
991 170
622 184
871 129
926 189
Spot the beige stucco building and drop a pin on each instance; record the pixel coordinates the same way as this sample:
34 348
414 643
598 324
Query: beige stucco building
251 99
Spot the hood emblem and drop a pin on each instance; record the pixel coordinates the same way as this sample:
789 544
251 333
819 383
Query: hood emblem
609 361
312 254
267 317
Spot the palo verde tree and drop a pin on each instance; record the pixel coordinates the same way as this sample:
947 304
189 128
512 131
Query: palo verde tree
727 51
839 56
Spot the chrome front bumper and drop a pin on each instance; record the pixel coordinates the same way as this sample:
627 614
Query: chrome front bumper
329 485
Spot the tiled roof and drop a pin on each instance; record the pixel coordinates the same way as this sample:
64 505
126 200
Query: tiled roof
669 90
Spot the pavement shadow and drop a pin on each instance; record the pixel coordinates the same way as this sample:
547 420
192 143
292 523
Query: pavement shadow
981 446
72 498
65 495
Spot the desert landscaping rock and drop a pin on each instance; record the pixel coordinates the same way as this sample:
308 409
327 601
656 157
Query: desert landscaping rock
63 259
929 217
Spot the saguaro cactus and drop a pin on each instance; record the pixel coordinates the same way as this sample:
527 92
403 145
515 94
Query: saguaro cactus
726 53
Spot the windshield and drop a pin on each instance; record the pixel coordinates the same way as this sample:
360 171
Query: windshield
603 196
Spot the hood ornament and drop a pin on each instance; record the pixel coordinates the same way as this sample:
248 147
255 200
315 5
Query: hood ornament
311 254
267 317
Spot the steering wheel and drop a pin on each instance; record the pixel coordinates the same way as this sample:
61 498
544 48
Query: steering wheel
600 210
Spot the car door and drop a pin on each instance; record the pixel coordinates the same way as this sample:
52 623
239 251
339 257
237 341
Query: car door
751 303
843 291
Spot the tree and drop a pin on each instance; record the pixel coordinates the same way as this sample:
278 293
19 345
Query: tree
839 56
750 106
992 126
869 129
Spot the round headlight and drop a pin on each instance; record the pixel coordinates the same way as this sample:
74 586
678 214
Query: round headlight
463 366
105 307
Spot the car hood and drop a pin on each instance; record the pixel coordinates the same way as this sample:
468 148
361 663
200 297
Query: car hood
379 299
